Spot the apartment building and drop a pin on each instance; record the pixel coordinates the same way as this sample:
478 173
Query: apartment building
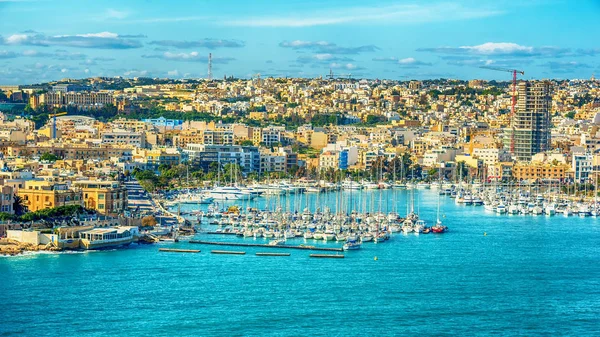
106 197
137 139
41 194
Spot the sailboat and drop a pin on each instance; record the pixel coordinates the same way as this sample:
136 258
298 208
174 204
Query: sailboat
438 227
594 211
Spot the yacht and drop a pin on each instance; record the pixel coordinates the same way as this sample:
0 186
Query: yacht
352 243
351 185
419 226
229 193
550 209
423 186
194 199
501 209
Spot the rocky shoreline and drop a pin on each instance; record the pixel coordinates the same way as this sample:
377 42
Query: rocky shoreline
13 247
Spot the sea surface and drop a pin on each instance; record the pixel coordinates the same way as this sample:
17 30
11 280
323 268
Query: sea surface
490 275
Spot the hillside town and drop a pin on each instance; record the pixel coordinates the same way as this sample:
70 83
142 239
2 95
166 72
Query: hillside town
81 143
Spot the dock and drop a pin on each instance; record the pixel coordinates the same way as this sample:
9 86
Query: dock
227 252
221 233
240 244
172 250
327 256
273 254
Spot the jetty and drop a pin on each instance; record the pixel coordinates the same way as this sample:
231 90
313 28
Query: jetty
173 250
273 254
327 256
241 244
227 252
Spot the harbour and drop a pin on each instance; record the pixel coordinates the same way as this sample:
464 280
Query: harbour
521 263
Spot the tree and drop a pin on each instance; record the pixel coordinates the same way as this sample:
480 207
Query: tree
246 142
19 205
49 157
149 221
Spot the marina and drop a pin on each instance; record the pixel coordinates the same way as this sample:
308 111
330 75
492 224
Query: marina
452 275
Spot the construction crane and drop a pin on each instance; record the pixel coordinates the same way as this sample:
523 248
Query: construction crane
514 100
330 76
53 116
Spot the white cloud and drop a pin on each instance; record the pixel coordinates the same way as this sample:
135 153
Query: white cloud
64 70
16 39
116 14
102 40
408 62
188 57
173 72
396 14
136 73
501 49
103 35
347 66
30 52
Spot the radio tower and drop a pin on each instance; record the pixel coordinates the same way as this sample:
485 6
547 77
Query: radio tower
210 66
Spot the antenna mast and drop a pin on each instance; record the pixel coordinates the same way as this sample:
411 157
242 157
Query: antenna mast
210 74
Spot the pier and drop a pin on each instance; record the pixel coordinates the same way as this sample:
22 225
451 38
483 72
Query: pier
240 244
173 250
327 256
273 254
227 252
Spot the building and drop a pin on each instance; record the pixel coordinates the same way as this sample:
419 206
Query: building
334 159
137 139
6 198
203 155
540 171
64 88
106 197
157 157
271 135
272 161
582 165
531 120
162 122
491 156
41 194
82 100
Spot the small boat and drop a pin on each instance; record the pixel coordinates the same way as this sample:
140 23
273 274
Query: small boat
328 236
501 209
352 243
419 226
367 237
276 242
439 228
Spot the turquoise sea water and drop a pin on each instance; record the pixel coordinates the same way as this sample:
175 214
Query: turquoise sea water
527 276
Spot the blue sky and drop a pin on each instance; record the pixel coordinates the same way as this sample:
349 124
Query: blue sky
47 40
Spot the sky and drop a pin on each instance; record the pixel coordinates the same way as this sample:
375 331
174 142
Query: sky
43 40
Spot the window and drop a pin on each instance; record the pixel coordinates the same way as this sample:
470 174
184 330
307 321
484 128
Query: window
101 206
100 196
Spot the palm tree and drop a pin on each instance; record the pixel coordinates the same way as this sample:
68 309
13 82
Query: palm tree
19 206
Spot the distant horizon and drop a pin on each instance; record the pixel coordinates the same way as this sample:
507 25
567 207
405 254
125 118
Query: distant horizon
292 78
41 41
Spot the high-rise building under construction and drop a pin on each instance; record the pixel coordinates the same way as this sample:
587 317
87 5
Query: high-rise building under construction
531 120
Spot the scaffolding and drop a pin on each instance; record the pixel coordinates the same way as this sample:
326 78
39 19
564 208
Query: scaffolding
531 121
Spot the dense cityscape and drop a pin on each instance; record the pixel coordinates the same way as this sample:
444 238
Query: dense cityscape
76 142
292 168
